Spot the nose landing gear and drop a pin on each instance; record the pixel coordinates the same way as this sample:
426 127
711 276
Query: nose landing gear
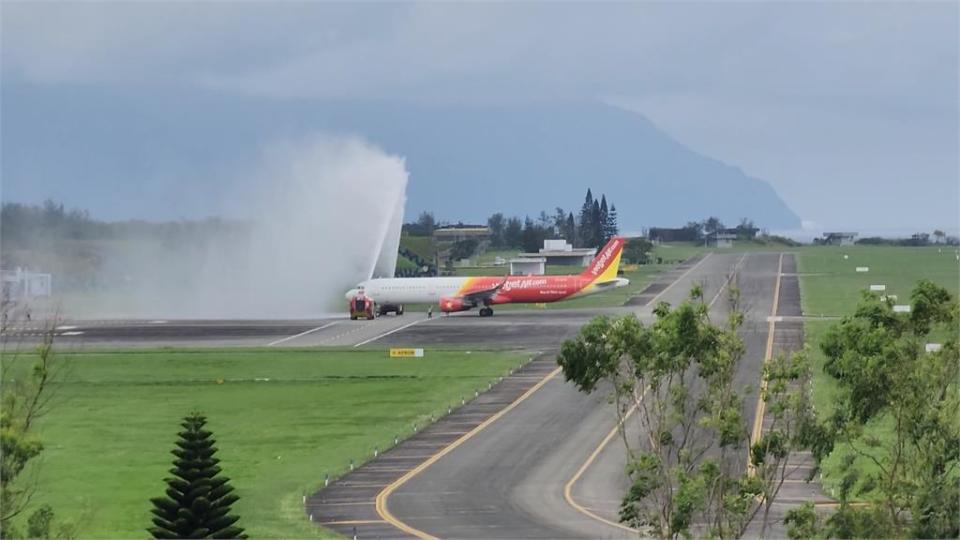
486 312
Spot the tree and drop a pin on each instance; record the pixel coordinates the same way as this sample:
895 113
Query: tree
637 250
793 425
513 233
585 236
496 223
746 230
604 219
885 376
25 398
533 236
596 225
712 225
613 228
939 235
426 223
464 249
678 375
570 230
694 231
559 223
198 498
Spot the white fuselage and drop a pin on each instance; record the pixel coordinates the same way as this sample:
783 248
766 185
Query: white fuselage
422 290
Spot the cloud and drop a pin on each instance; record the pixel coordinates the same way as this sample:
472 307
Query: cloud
850 94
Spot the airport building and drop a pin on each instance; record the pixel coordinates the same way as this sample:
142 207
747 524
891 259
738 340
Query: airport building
528 266
839 238
22 284
722 240
462 232
560 252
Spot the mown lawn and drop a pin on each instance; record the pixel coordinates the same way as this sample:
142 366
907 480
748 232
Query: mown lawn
832 286
283 419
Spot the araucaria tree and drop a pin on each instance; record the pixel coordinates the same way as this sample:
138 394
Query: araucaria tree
676 379
198 498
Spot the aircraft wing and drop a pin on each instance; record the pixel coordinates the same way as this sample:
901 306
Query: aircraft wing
477 297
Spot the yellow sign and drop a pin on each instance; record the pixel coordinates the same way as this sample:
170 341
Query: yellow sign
406 353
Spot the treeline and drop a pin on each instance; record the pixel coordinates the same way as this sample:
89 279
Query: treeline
698 231
917 239
24 226
592 226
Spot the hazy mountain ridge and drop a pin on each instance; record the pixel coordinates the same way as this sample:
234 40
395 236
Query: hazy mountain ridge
465 162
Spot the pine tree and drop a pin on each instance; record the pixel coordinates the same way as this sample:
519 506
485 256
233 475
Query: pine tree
571 230
596 227
613 228
198 499
586 221
604 221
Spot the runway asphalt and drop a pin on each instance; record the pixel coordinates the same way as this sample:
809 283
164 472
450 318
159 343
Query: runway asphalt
516 469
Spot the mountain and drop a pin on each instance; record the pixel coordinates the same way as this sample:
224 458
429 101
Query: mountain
161 155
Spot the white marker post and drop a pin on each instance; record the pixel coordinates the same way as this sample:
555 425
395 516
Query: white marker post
878 287
863 269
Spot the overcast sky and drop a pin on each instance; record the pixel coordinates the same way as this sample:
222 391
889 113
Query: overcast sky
850 110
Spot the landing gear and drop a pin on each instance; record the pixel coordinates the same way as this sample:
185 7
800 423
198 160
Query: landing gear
486 312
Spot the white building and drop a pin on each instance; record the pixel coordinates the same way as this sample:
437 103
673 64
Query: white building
21 284
839 238
528 266
560 252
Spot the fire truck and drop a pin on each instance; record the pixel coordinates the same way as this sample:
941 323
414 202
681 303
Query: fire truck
361 307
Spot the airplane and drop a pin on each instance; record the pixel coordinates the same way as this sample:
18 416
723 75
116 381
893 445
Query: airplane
454 294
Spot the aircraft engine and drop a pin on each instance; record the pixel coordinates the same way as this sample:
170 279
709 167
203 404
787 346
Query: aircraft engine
453 303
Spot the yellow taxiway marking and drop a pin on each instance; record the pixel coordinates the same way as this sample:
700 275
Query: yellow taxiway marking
568 488
382 509
761 405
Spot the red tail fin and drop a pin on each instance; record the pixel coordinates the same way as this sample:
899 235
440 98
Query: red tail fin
604 266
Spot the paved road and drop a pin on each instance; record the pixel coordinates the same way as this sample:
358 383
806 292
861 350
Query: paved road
516 468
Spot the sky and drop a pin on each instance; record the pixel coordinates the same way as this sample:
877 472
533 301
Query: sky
849 109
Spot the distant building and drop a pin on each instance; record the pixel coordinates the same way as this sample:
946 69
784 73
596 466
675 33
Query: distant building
525 266
722 240
560 252
659 235
839 238
22 284
743 233
459 233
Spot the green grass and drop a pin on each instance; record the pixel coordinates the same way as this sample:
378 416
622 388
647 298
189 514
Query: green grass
282 418
833 287
420 245
830 284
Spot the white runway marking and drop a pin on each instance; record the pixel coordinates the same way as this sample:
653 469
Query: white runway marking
71 333
288 338
371 340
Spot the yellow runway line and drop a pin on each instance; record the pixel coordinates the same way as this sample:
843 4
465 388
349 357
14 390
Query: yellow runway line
761 405
382 497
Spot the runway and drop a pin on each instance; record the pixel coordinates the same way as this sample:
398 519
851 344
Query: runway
508 480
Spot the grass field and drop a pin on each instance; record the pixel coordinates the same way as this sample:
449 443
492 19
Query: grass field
283 419
830 284
833 287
